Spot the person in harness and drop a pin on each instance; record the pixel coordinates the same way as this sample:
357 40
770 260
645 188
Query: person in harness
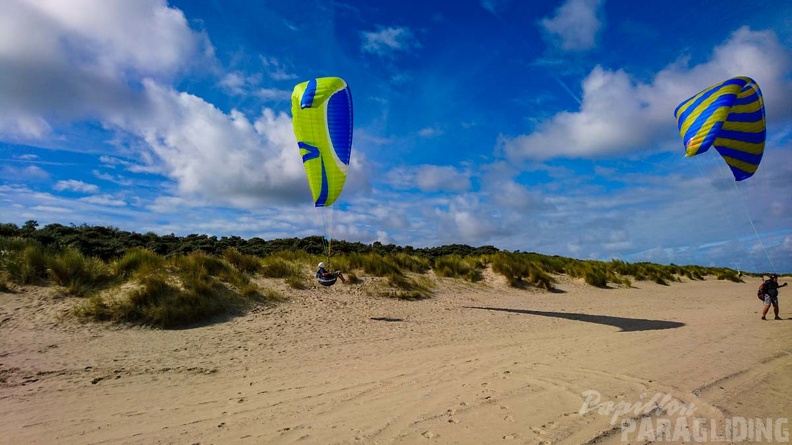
328 278
770 289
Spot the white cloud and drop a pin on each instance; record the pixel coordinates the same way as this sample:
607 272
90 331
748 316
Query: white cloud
273 94
276 69
223 158
237 83
75 186
574 25
388 40
619 113
430 132
116 179
51 209
104 200
495 7
113 62
430 178
76 60
28 173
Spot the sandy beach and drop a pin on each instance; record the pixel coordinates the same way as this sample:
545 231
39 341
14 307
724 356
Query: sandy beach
478 363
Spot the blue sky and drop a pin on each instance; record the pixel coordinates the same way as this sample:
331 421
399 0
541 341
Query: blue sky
532 126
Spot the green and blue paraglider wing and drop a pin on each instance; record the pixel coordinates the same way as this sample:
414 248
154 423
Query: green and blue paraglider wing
322 119
729 116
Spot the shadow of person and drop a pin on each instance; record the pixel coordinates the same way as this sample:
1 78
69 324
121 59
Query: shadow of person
624 324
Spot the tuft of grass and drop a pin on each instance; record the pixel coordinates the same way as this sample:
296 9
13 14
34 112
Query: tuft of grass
80 275
728 274
277 267
520 269
24 261
406 288
296 282
189 289
244 263
273 295
353 278
455 266
409 263
5 282
199 263
595 277
137 260
371 263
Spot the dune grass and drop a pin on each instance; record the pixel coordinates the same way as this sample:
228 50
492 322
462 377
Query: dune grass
182 290
456 266
137 261
243 263
521 270
80 275
143 287
23 260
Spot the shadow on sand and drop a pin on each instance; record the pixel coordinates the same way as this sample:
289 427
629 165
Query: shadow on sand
625 324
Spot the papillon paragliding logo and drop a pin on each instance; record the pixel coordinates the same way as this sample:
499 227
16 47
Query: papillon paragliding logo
729 116
322 120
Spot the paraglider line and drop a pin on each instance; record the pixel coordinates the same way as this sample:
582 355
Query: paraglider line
748 215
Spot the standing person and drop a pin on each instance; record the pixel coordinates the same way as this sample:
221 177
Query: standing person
771 296
328 278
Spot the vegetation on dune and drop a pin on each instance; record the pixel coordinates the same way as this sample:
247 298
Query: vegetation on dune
171 281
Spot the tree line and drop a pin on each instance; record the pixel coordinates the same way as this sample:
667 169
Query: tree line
109 243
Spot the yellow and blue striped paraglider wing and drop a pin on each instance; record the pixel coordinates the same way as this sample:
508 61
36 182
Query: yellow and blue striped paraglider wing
322 119
729 116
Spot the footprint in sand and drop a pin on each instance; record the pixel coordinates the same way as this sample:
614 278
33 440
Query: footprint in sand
538 431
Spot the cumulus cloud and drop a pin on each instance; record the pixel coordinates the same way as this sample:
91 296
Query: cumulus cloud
619 113
222 157
75 186
114 62
76 60
389 40
575 25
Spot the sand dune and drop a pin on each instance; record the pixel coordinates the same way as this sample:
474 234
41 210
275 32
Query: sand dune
476 364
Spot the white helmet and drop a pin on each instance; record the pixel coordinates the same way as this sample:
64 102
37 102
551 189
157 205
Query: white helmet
321 265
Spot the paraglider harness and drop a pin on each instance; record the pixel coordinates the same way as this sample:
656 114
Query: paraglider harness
766 288
760 293
323 280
